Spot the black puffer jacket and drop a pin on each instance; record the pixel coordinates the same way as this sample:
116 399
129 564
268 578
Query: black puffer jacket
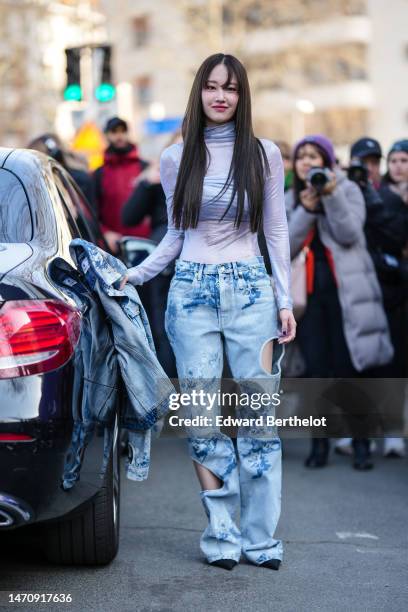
147 199
390 239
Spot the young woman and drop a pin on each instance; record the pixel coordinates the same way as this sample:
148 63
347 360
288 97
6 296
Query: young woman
344 329
394 193
222 184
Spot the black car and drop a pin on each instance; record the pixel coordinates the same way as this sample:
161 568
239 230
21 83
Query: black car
41 211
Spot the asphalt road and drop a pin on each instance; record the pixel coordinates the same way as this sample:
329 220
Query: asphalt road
345 535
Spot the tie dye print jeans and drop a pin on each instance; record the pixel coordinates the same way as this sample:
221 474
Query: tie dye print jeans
231 305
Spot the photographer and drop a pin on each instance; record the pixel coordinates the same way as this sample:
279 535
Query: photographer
393 278
344 330
51 145
367 153
383 228
385 235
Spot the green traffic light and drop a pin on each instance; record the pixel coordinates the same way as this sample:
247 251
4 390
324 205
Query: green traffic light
73 92
105 92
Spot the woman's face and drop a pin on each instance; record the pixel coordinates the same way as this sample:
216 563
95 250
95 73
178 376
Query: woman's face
219 101
398 166
307 157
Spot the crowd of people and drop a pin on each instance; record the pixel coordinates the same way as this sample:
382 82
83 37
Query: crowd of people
349 224
352 226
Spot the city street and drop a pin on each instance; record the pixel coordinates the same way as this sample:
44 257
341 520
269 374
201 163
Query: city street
203 207
345 534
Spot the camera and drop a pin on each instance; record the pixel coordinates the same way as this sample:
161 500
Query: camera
358 172
318 178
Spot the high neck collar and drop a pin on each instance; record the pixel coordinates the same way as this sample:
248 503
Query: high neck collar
225 132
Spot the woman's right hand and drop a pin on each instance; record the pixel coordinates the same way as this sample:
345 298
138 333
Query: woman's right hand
309 199
132 276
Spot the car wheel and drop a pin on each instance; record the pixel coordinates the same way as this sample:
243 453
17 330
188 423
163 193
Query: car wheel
90 536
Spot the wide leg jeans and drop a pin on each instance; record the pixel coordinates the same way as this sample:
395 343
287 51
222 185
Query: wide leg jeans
232 305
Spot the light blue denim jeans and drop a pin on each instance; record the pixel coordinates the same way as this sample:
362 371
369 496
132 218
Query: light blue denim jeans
231 304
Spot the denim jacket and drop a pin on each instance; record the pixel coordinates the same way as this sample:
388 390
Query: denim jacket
115 341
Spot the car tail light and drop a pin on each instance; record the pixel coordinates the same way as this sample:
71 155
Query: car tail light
14 437
36 336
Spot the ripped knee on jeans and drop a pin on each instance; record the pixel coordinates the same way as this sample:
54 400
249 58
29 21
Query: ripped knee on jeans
208 480
267 355
270 356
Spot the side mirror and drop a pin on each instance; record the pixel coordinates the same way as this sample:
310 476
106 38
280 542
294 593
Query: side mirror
134 250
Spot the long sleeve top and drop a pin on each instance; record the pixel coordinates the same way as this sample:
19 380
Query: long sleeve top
215 241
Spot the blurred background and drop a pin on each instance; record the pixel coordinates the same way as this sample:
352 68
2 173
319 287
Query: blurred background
333 66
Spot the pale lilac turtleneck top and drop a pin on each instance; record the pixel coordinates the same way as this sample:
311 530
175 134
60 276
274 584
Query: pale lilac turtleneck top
214 241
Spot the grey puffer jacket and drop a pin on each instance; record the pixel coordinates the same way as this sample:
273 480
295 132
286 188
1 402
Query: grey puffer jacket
341 230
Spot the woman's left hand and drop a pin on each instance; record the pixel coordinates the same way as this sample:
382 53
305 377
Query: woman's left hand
331 185
123 282
288 326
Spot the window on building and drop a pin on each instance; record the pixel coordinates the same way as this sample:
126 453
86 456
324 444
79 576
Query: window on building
341 125
304 67
254 14
144 90
141 31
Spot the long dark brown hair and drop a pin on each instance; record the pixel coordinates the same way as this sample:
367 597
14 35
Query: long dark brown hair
249 159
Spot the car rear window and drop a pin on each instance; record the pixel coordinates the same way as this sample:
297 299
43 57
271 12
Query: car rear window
15 215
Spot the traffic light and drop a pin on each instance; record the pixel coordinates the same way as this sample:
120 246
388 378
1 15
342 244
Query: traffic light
73 89
105 91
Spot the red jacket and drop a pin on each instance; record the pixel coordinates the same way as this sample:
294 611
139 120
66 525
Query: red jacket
114 183
310 263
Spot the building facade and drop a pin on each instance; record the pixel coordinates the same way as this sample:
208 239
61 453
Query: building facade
332 66
33 37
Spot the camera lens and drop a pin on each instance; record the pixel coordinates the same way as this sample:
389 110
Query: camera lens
318 178
358 172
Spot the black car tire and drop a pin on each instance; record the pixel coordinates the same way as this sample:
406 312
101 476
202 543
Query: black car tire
90 535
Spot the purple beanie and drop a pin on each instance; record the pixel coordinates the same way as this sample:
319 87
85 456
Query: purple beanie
319 140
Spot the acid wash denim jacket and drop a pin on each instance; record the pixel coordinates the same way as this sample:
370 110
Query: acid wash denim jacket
116 346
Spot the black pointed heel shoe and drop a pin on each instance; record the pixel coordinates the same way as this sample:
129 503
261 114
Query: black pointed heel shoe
227 564
273 564
362 456
319 454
